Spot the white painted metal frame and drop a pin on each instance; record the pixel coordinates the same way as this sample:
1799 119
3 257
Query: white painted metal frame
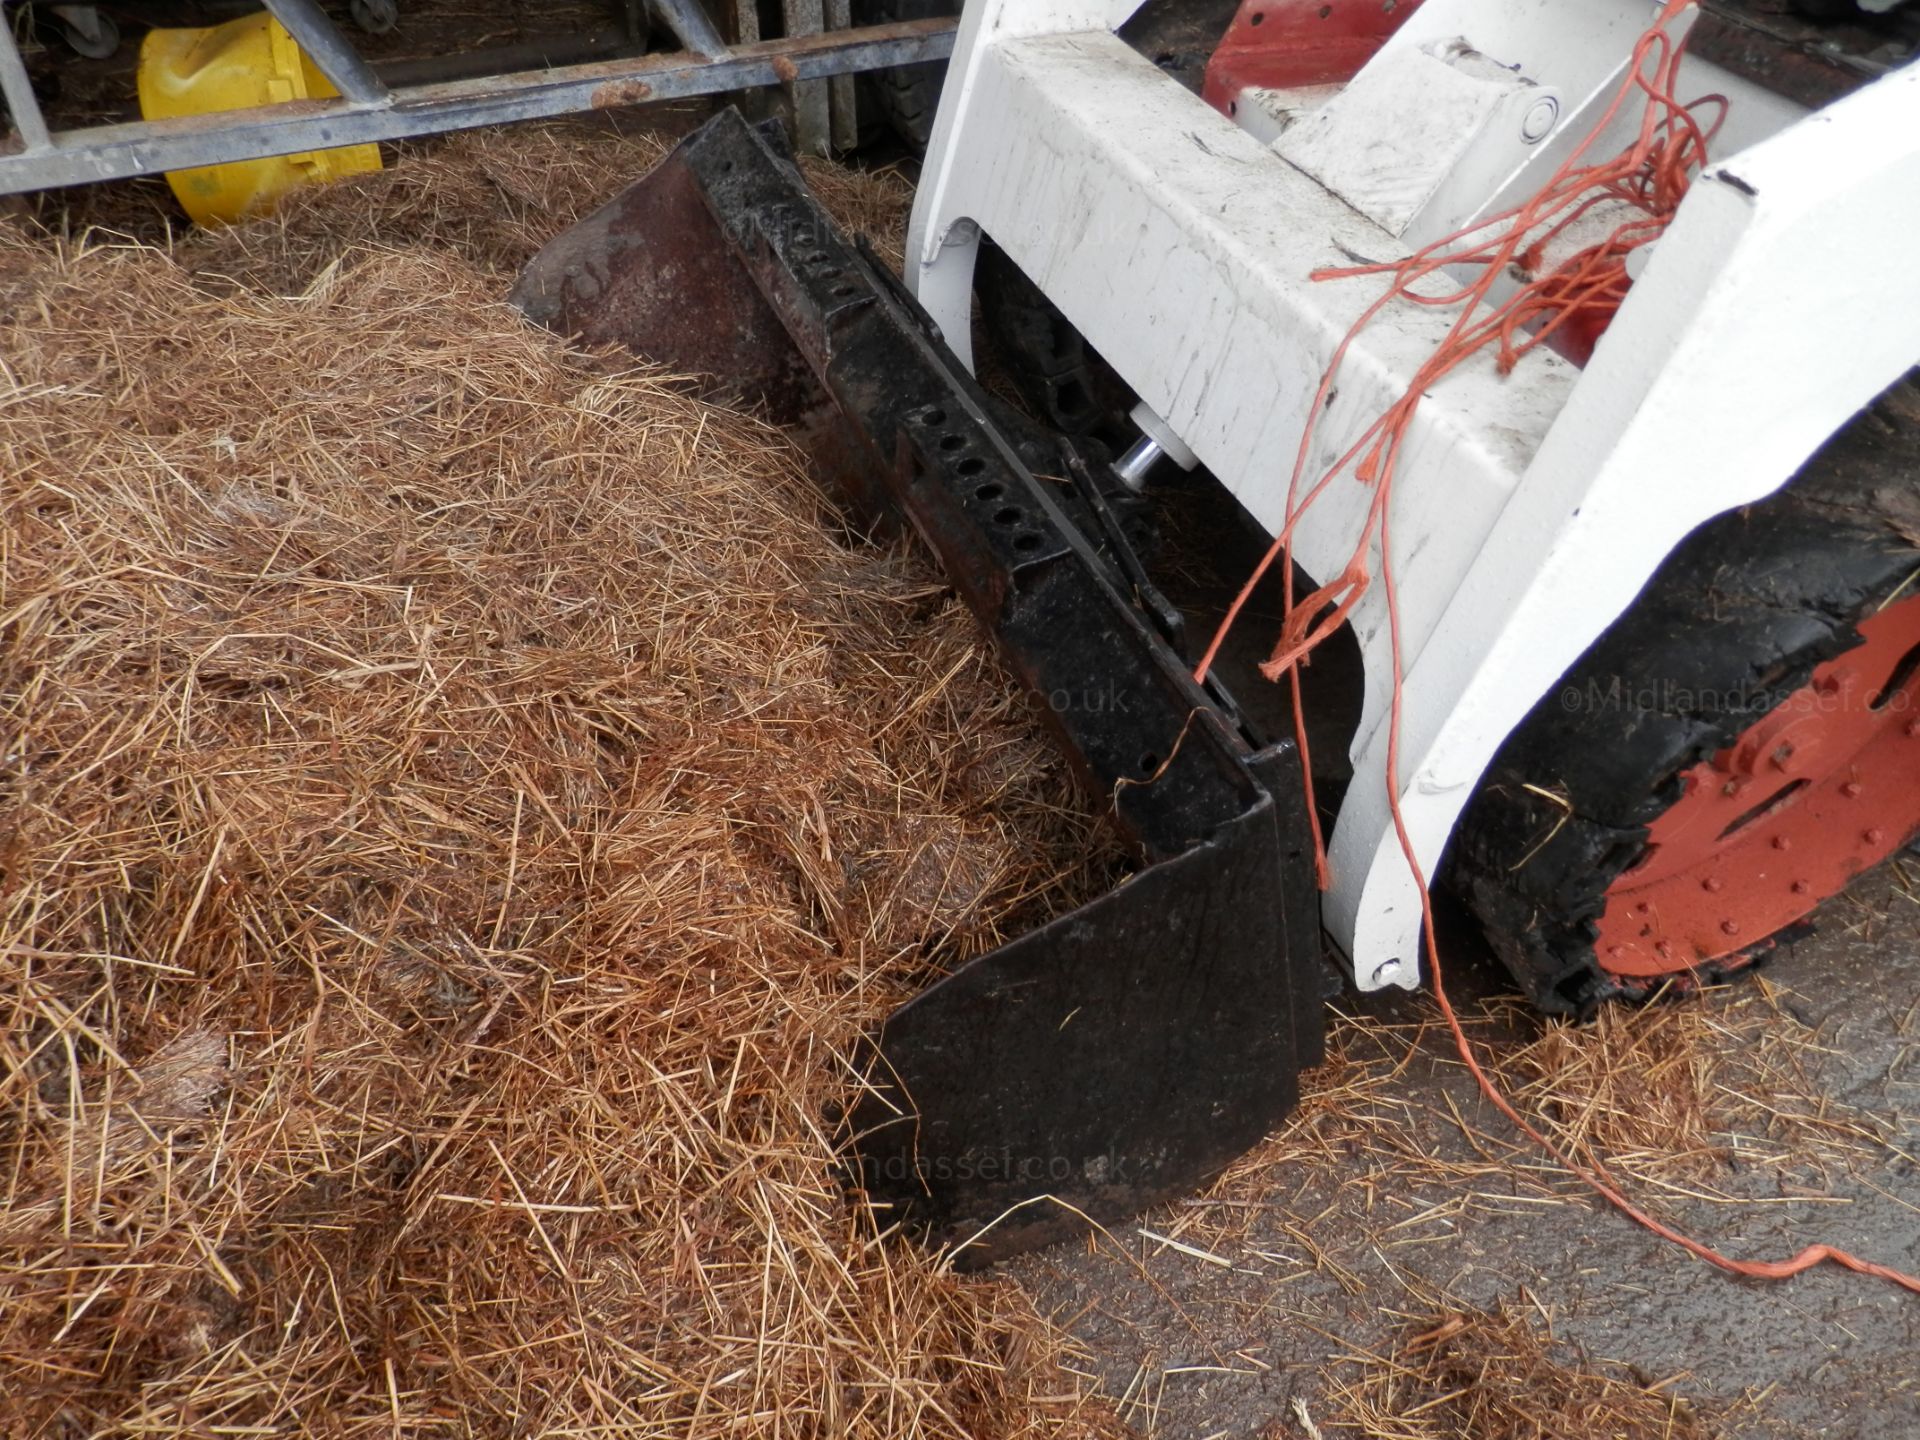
1529 510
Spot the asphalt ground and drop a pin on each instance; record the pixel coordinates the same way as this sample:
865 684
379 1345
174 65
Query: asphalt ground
1399 1197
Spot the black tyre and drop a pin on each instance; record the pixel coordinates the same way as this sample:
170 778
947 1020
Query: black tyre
1758 610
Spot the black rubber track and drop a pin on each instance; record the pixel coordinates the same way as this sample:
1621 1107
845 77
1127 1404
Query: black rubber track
908 95
1734 622
1038 348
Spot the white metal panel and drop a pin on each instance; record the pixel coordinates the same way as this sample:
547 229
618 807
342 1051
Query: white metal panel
1411 123
1572 42
983 24
1182 248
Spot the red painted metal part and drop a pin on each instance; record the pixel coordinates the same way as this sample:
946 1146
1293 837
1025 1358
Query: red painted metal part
1824 787
1289 44
1281 44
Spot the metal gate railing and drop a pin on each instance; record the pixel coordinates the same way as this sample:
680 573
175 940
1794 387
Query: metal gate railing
814 63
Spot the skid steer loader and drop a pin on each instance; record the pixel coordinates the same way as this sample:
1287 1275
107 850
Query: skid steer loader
1643 686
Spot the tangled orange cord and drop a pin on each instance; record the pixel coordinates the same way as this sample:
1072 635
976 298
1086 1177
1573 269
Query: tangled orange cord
1652 175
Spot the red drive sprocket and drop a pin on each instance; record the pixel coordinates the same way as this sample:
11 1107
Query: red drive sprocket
1824 786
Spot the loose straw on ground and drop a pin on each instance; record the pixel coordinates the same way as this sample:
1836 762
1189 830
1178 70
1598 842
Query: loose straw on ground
458 811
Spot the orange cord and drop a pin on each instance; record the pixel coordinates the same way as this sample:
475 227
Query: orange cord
1651 174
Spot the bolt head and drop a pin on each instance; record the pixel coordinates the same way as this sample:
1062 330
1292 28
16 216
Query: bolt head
1851 789
1713 884
1539 120
1781 842
1729 927
1873 836
1800 887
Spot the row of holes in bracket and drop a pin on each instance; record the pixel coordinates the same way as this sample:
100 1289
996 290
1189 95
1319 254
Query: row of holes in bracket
1008 516
986 493
815 263
952 444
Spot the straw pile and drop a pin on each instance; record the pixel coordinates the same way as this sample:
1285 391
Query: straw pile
461 801
1720 1097
1686 1095
1502 1375
1383 1192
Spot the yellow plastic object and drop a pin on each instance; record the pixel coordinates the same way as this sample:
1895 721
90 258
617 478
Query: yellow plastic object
246 62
